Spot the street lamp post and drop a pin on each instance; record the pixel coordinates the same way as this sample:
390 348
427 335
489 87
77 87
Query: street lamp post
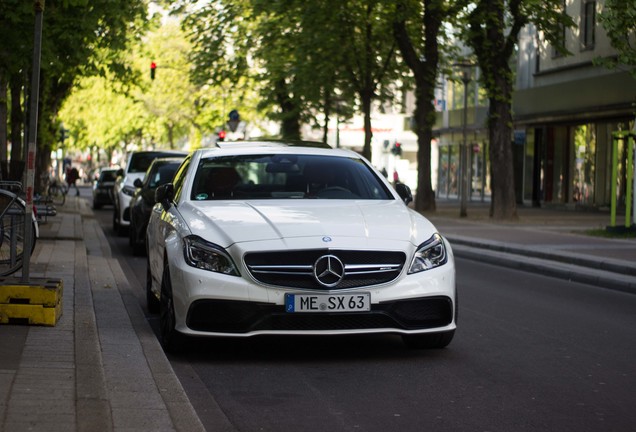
466 69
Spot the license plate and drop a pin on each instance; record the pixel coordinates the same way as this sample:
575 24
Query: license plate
351 302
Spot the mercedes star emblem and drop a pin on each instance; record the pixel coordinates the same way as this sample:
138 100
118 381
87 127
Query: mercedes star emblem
329 270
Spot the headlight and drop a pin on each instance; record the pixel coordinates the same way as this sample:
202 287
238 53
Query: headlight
430 254
207 256
128 190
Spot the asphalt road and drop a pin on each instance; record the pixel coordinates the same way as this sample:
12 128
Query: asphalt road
531 354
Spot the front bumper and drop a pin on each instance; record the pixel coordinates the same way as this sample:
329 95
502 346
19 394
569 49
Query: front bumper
242 318
211 304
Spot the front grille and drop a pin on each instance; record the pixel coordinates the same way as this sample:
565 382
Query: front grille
295 269
236 317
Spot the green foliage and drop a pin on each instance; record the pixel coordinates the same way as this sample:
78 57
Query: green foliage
619 21
308 58
99 116
80 38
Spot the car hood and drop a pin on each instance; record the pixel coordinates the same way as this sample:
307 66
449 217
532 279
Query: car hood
306 223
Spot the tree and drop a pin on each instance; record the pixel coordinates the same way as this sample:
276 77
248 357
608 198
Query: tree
365 30
492 32
619 20
16 20
101 118
306 56
80 38
418 41
169 99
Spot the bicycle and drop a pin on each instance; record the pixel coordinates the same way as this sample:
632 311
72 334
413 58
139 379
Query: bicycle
12 219
57 191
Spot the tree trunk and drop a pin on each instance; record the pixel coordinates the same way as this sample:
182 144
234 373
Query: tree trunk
425 196
503 204
368 134
290 118
425 70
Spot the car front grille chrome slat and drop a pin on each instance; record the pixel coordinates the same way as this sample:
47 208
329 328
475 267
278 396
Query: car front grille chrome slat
282 269
368 268
298 269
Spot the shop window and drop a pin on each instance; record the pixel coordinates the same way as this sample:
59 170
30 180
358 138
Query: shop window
584 141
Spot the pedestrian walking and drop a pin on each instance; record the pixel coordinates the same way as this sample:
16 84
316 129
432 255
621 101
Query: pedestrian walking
72 175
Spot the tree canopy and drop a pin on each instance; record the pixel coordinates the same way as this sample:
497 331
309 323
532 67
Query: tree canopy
80 38
619 21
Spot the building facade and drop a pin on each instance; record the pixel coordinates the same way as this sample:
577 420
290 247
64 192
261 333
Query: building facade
567 110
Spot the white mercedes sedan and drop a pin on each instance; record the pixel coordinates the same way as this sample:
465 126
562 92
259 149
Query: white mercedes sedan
275 238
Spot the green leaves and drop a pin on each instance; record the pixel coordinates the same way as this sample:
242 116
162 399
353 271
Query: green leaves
619 21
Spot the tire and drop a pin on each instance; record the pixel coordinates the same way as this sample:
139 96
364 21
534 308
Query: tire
152 301
428 340
171 339
131 235
121 230
138 247
115 220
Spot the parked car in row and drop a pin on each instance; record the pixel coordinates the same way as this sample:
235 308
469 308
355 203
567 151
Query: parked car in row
255 238
161 171
136 167
103 187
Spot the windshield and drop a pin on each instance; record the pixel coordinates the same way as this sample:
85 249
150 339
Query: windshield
286 176
140 162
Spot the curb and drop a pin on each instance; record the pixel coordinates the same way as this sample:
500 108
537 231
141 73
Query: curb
546 264
614 266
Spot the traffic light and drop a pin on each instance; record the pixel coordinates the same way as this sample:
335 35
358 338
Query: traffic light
221 135
153 68
397 149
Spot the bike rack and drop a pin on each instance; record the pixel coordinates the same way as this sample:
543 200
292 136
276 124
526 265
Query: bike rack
12 220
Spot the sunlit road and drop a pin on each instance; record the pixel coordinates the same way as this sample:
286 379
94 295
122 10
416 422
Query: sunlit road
531 354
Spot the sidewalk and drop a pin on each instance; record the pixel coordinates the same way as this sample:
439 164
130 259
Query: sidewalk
101 367
552 242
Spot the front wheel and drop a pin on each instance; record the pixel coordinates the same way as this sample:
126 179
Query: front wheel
151 299
171 339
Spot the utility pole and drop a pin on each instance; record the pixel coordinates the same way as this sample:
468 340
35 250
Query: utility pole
32 140
464 155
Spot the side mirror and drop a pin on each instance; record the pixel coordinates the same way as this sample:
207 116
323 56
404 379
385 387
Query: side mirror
138 183
164 194
120 172
404 192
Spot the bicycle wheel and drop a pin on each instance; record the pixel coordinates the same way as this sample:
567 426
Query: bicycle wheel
12 217
57 195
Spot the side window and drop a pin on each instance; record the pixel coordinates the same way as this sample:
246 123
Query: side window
180 177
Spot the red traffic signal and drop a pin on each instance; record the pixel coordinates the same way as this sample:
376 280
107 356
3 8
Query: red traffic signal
221 135
153 67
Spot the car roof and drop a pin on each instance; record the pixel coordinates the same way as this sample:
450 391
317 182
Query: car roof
277 146
167 159
272 143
